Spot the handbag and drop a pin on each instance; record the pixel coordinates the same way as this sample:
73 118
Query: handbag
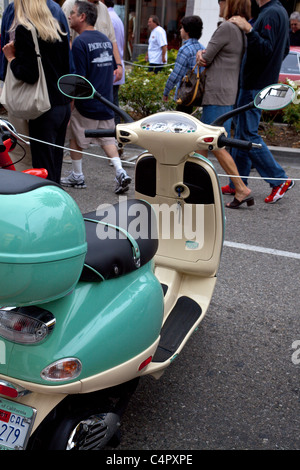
25 100
191 88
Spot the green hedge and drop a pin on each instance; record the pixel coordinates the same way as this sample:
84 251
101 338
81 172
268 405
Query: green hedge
141 94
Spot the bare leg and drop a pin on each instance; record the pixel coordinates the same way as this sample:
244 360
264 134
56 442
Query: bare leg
74 146
110 150
227 163
76 157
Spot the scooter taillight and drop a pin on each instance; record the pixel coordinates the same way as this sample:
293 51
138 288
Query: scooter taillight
21 327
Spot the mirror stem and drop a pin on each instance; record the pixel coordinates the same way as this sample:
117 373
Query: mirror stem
220 120
115 108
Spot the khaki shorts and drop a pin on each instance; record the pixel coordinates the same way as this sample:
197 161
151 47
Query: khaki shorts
78 124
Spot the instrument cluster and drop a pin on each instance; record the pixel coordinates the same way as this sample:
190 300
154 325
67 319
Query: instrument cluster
169 123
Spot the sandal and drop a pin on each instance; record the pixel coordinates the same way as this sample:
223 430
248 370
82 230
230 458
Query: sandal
236 203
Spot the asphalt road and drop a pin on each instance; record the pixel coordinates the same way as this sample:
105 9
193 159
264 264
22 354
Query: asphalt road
236 385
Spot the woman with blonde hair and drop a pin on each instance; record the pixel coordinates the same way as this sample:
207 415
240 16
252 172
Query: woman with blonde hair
223 57
54 49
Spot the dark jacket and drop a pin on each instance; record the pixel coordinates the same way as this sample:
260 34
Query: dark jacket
295 38
7 19
268 45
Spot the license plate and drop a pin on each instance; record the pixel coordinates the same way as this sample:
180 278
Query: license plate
16 421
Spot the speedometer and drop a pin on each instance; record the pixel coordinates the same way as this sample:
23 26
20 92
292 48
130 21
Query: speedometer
178 127
159 127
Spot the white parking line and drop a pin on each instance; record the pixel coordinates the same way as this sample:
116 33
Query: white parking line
261 249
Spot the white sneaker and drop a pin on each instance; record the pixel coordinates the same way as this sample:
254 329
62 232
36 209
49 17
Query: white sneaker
122 182
75 181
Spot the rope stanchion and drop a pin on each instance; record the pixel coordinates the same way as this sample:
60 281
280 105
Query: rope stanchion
133 163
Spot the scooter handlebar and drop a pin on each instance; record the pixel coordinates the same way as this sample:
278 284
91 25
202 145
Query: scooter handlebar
100 133
240 144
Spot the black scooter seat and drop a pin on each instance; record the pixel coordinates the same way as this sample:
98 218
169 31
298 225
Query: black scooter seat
113 233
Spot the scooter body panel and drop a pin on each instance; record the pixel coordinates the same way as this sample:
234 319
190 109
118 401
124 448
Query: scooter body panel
190 213
102 324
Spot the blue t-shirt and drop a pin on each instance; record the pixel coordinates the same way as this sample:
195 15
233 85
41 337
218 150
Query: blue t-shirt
94 60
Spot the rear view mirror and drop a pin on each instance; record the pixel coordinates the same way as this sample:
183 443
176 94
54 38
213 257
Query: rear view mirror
75 86
274 97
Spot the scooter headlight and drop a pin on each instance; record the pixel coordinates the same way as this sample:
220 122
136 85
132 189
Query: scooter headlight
68 368
25 325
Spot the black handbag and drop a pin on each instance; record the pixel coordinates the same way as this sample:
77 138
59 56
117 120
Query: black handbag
191 89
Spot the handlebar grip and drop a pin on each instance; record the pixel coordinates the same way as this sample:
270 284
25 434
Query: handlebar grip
240 144
2 146
100 133
4 135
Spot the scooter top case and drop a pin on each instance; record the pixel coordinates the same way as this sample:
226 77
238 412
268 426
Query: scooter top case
42 240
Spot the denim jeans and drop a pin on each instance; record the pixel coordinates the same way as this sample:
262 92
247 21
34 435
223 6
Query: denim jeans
212 112
247 129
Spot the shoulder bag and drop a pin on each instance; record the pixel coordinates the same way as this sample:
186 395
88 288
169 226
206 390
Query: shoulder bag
191 88
25 100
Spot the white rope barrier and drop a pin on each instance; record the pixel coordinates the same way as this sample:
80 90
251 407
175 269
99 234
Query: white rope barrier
133 163
147 66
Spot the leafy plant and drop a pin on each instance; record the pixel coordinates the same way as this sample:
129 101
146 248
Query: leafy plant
141 94
291 114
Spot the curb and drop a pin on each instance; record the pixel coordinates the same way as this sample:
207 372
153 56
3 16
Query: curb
288 154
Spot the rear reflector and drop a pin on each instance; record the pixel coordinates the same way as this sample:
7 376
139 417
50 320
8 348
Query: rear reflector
8 391
145 363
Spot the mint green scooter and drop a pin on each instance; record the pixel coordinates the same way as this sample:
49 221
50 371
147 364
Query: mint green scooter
91 303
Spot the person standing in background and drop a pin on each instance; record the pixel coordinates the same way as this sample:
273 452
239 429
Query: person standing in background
93 59
190 32
295 29
21 54
21 125
104 25
222 59
260 68
157 54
